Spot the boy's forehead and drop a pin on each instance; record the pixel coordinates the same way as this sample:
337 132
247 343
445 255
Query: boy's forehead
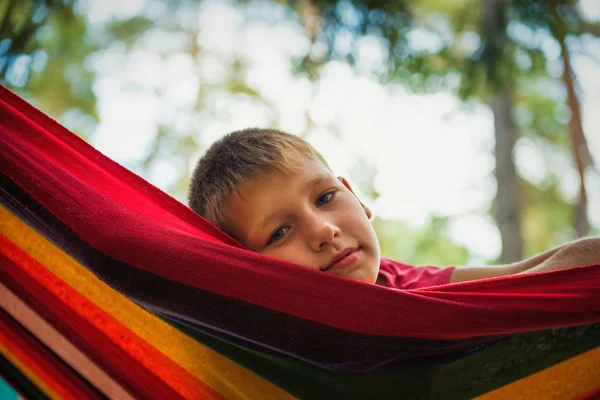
304 173
293 163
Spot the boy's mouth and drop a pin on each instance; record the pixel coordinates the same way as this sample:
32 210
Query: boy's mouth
344 258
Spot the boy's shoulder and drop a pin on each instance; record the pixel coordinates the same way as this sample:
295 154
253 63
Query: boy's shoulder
403 276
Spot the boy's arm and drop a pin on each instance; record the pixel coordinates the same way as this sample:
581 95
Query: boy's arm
575 254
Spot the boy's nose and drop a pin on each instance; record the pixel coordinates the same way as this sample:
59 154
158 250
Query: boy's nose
323 235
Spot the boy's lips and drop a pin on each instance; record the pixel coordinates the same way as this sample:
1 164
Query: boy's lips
342 258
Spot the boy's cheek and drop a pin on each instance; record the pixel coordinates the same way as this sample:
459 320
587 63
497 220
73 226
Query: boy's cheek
290 253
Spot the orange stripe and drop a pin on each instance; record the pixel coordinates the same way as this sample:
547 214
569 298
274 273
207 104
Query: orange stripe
572 378
223 375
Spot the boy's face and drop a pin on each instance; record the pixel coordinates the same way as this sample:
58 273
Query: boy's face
310 218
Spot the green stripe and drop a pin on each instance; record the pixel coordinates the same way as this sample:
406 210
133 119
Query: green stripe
502 363
513 359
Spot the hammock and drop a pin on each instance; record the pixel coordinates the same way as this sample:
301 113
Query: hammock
109 287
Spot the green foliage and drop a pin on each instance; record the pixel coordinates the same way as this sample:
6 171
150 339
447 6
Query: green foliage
427 245
547 217
127 31
178 140
42 57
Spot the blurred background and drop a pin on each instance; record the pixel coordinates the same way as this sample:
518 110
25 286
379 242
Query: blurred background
471 128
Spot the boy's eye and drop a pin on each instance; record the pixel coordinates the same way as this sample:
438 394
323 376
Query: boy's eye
324 199
278 235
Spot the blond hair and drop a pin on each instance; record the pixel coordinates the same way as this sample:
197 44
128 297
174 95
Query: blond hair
235 159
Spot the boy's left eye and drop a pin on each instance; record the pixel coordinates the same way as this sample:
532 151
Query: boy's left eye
278 235
324 199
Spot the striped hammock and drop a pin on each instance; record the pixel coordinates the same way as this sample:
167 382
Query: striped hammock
111 288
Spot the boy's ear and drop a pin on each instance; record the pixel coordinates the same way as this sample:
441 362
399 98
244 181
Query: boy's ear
347 184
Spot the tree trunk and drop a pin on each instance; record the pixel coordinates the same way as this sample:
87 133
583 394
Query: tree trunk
507 208
508 197
578 143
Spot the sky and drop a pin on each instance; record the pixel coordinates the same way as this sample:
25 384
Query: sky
432 153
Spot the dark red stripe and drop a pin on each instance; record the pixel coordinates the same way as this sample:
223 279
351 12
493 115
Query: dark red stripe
44 363
592 395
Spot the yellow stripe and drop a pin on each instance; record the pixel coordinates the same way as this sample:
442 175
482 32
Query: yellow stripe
223 375
36 380
569 379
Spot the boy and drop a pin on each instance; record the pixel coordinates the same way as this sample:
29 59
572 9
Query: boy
276 195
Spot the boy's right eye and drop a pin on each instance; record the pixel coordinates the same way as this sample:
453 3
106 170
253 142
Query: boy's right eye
278 235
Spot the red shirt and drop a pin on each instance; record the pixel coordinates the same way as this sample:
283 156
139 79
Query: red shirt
403 276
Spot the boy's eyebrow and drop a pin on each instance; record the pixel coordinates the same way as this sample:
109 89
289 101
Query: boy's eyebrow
267 220
316 180
312 183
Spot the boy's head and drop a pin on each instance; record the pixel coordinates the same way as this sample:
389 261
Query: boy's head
276 195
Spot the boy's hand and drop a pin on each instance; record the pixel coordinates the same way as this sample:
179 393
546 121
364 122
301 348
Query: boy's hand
580 253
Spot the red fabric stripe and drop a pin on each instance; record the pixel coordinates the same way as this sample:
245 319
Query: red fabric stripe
42 362
593 395
91 194
86 165
136 365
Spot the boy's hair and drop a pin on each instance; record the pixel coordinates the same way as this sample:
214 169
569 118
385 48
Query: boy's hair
237 158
